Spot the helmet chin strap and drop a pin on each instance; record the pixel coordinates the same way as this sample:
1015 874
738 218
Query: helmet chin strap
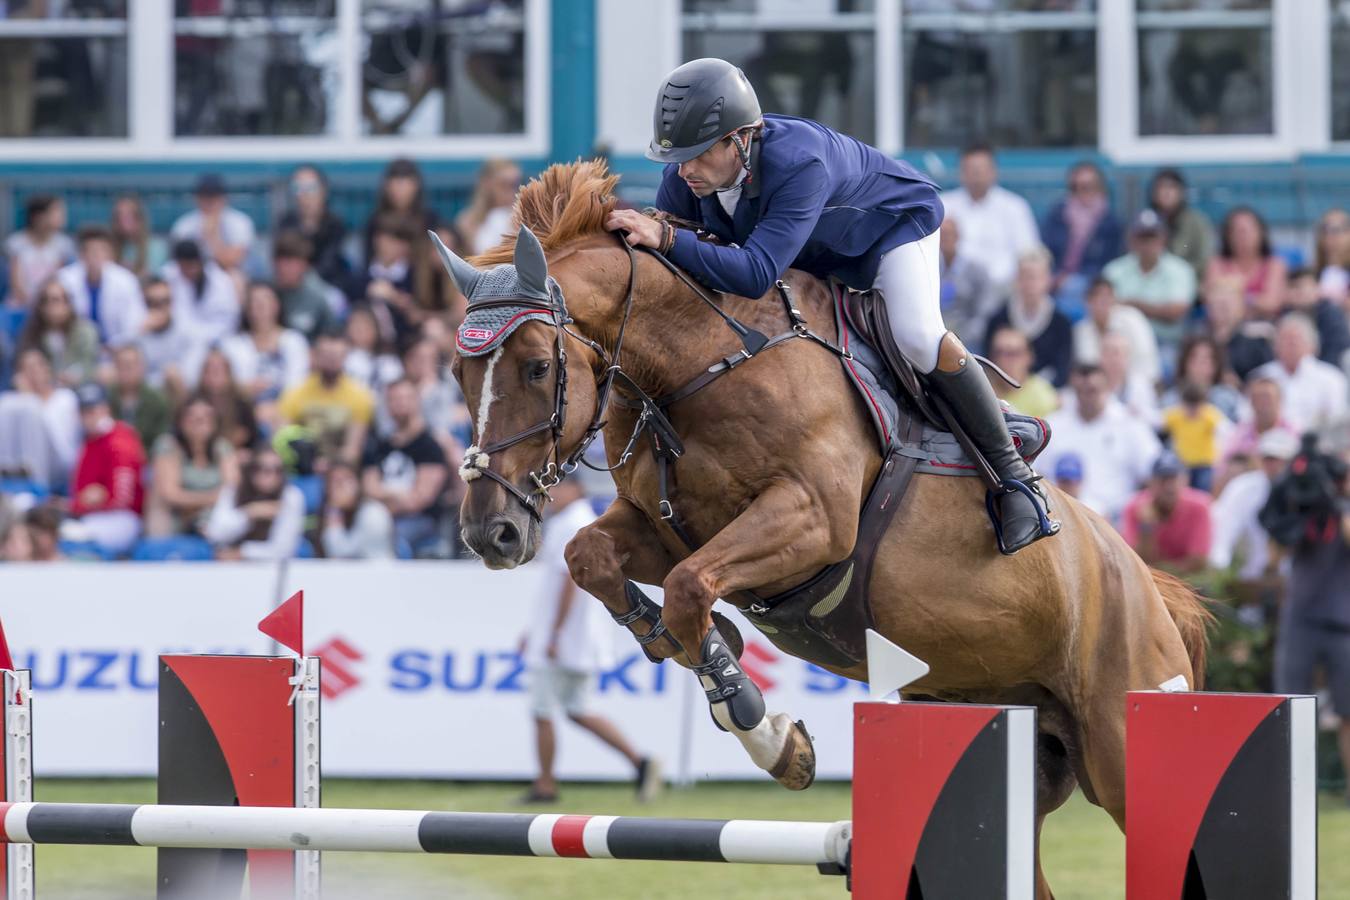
743 149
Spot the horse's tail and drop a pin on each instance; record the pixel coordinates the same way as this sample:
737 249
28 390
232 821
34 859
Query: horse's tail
1190 611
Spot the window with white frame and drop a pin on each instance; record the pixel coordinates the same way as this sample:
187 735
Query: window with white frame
1340 69
810 58
434 68
263 79
63 68
1205 67
1019 73
254 67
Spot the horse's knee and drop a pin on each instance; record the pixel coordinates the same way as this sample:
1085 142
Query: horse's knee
593 560
689 601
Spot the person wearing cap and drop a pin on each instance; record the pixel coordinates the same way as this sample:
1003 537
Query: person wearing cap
103 291
1083 234
205 299
224 233
786 192
1167 523
1236 529
1154 281
106 492
1068 474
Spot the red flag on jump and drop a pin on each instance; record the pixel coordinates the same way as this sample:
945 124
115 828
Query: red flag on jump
286 623
6 661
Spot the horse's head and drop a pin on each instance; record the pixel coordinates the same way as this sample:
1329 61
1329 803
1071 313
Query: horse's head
530 388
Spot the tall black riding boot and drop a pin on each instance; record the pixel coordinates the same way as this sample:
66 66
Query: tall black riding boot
1020 511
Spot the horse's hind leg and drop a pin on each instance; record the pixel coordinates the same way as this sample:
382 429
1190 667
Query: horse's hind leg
778 533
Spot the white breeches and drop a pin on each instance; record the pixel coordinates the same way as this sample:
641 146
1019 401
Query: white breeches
910 281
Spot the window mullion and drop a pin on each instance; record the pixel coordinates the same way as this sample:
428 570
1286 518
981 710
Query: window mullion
348 112
150 56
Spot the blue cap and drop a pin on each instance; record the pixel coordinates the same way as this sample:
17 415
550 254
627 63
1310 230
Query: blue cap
1167 465
1069 468
91 393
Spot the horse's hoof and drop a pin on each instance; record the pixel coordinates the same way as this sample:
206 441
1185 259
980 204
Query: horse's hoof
796 765
731 635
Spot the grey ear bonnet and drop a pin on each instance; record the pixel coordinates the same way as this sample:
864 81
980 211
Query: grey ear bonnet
484 330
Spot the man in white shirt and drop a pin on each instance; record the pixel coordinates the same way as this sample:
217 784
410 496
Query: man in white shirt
570 639
996 225
205 302
1234 513
1117 450
1106 316
101 290
224 234
1314 392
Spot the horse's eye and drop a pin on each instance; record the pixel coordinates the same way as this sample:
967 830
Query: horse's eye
538 369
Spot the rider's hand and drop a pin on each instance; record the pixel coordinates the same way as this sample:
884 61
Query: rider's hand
642 231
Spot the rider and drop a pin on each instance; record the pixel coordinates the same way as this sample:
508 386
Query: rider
783 191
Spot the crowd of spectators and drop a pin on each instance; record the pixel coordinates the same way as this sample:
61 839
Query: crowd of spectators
227 391
1177 362
262 392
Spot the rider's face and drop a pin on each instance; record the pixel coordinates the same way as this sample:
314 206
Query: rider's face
713 169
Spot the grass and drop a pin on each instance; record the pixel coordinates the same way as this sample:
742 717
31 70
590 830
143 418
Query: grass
1084 853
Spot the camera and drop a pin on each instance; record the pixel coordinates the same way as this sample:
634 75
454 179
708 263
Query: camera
1306 502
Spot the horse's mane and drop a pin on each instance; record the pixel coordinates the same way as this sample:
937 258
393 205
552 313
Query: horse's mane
564 203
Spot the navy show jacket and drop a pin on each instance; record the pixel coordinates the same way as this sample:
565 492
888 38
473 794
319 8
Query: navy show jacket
815 200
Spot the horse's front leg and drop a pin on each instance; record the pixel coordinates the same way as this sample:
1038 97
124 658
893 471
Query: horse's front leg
606 556
777 535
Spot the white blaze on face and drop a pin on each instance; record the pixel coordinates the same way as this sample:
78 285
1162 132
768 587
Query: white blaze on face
475 459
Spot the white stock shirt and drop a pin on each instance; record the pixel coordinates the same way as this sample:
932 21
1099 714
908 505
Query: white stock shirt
586 638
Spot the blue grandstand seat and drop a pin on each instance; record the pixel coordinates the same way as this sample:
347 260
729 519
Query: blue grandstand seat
182 548
84 550
16 486
312 487
11 322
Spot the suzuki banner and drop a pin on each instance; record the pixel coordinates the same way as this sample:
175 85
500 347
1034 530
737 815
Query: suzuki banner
421 671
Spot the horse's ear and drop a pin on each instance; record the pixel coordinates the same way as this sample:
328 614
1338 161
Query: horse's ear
465 275
531 266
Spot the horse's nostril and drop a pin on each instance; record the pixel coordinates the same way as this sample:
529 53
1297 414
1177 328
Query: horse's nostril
505 536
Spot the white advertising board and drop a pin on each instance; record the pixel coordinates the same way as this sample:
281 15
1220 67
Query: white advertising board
420 670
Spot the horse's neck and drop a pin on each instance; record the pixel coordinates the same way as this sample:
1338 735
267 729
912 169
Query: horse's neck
670 336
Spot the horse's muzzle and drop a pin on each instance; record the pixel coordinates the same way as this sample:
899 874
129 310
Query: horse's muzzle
502 541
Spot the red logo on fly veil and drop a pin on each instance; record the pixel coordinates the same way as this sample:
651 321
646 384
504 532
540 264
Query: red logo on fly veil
475 334
337 657
754 659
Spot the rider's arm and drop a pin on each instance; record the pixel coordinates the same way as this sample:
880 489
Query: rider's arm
789 217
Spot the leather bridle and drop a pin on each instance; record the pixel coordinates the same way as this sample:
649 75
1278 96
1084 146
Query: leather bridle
651 418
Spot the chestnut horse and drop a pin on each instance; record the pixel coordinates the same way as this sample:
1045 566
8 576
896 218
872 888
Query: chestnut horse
778 458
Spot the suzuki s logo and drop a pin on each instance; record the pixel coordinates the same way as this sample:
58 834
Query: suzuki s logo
755 659
338 678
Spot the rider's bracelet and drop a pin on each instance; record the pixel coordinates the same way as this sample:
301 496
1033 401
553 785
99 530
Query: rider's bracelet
667 237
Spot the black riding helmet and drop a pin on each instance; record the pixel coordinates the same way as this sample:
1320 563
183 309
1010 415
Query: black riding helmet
700 103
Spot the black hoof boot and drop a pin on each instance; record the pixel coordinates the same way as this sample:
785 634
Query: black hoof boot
725 682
